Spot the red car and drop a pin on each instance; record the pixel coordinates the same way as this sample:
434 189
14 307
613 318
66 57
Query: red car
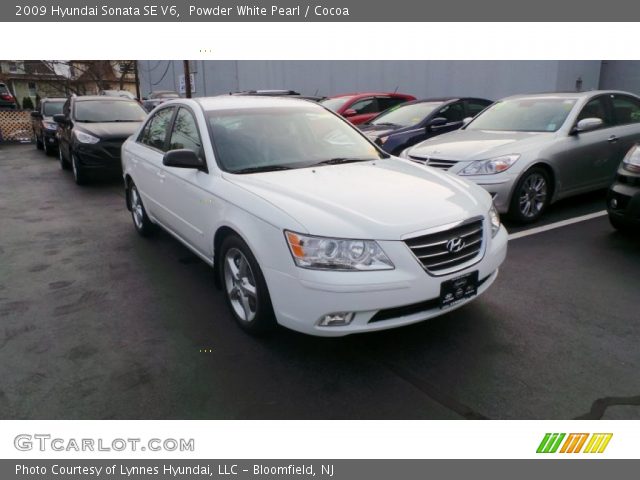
362 107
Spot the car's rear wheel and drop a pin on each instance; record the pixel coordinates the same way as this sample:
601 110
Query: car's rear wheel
64 164
141 221
79 175
245 288
531 196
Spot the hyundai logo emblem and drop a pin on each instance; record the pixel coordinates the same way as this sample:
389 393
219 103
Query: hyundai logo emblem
455 245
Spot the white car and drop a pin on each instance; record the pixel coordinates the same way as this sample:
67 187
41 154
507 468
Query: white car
307 223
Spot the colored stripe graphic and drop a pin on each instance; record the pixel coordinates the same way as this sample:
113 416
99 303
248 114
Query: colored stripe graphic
597 442
550 442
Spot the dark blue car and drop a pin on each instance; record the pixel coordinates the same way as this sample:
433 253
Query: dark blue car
412 122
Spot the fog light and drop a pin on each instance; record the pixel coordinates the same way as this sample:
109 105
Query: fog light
337 319
614 203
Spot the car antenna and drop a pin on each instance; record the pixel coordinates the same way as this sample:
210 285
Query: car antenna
396 90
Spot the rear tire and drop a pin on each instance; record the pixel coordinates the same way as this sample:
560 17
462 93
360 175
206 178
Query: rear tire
245 288
531 196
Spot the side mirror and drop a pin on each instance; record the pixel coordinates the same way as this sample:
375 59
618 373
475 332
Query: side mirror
183 158
36 114
466 121
437 123
349 112
587 124
60 119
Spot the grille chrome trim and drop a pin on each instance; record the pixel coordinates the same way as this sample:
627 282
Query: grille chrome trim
429 247
433 162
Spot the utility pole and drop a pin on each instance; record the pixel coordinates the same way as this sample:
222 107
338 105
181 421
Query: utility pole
187 78
137 78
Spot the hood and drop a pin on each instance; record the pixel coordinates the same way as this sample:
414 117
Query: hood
467 145
375 131
109 130
380 200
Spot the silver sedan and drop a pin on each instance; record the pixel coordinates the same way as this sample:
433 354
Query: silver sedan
528 151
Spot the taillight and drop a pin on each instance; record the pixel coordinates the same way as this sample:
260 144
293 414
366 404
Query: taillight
6 96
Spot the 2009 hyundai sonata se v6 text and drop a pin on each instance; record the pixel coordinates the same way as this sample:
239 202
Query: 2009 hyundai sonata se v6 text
307 223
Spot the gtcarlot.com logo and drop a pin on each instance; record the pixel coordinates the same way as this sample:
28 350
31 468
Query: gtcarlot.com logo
574 443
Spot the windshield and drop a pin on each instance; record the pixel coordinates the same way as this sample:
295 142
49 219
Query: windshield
49 109
335 104
525 115
406 115
285 137
109 111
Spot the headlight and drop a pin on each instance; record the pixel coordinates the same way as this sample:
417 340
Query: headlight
490 166
85 137
494 218
321 253
50 125
631 160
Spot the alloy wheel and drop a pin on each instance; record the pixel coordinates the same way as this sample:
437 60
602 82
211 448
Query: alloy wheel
533 195
136 208
240 285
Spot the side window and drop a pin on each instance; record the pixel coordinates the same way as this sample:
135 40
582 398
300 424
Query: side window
154 133
364 106
453 113
474 107
385 103
625 109
185 132
596 108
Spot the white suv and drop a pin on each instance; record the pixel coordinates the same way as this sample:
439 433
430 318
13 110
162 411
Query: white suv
308 223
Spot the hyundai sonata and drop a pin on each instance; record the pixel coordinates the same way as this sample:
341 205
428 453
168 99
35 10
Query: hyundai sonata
307 223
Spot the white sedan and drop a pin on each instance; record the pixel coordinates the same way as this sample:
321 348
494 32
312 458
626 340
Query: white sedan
307 223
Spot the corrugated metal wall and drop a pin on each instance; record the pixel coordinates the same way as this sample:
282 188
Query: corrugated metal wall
491 79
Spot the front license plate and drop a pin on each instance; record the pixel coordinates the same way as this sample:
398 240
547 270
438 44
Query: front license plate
457 289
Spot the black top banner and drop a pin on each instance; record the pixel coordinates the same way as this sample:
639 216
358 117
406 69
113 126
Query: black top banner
321 11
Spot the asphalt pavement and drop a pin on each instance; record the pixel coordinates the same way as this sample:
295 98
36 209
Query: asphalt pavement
98 323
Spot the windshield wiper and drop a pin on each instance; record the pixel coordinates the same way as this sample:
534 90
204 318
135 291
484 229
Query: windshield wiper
262 168
340 160
385 124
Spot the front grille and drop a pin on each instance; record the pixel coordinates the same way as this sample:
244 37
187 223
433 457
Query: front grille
406 310
438 256
434 162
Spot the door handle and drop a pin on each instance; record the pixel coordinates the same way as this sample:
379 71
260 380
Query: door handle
160 175
612 139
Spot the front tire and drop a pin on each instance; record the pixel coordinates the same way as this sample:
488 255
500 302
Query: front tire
245 288
621 226
39 143
531 196
64 164
141 221
79 175
48 149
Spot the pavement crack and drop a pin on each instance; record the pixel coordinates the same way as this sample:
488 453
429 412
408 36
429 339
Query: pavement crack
434 393
599 407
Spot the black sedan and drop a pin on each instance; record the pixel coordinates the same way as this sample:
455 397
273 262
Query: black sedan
91 131
412 122
623 199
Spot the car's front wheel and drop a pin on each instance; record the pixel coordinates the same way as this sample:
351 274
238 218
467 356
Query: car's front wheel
141 221
64 164
39 143
245 288
531 196
79 175
48 149
622 226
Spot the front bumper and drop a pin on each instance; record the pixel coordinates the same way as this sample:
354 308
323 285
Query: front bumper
104 155
499 186
300 300
623 199
49 137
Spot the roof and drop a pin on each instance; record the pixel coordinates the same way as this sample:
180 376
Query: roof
85 98
568 95
53 99
225 102
361 94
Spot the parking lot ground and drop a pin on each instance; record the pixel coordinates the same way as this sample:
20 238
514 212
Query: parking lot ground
96 322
